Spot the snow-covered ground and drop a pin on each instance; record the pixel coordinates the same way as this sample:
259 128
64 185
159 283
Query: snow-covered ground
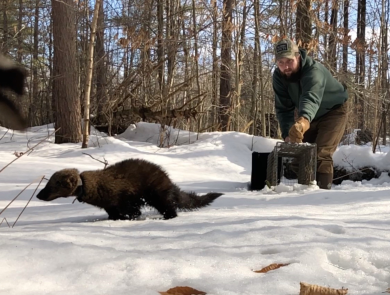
337 238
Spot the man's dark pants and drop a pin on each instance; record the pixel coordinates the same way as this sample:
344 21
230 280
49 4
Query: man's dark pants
327 132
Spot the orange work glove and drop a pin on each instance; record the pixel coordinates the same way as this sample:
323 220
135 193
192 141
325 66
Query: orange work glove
298 130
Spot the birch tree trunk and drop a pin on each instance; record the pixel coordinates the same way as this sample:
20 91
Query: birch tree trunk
384 72
360 60
88 78
255 78
160 44
214 100
240 43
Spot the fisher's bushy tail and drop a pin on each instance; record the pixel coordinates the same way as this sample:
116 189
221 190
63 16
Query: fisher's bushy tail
190 201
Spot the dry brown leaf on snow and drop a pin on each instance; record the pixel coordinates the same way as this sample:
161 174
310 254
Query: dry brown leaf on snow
271 267
387 290
183 291
307 289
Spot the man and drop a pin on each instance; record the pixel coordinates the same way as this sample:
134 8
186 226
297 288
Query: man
301 83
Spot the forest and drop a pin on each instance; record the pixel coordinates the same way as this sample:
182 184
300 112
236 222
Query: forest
196 65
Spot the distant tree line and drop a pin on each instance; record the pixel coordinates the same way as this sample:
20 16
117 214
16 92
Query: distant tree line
196 65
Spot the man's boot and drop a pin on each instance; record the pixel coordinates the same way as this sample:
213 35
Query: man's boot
324 180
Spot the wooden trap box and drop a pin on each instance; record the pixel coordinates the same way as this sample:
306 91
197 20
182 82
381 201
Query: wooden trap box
303 162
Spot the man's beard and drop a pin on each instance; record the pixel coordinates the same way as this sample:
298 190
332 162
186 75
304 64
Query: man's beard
294 77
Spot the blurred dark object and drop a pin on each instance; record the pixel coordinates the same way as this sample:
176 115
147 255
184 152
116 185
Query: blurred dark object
12 77
259 170
364 136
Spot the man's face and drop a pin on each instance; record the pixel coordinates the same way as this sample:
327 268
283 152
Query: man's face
288 66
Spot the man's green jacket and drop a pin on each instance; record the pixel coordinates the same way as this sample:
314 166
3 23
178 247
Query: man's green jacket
313 94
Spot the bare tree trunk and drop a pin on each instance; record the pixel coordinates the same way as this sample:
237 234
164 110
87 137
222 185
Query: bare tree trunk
186 50
240 43
19 32
88 78
333 37
101 69
214 100
50 115
289 16
172 35
35 81
225 87
82 26
160 44
255 76
65 94
282 20
345 42
303 23
360 60
262 96
194 24
384 72
195 30
5 46
344 75
326 21
146 52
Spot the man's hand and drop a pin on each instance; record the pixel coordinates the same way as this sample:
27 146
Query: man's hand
298 130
